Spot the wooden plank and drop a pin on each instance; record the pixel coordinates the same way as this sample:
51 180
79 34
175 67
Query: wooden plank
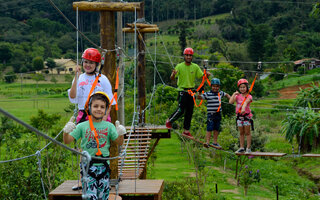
139 143
266 154
126 187
138 139
200 142
151 127
140 25
311 155
137 135
106 6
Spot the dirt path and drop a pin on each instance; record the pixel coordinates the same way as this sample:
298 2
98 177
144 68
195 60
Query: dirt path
291 92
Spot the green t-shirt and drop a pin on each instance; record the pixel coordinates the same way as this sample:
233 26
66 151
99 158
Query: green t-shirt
187 74
106 131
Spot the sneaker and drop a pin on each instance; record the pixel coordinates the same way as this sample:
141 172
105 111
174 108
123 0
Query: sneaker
216 145
187 134
248 150
168 124
241 150
206 145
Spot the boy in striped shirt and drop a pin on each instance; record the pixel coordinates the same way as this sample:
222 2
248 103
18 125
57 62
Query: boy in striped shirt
213 98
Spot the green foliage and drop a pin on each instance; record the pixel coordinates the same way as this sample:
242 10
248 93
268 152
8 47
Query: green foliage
228 75
304 124
248 175
5 52
10 77
182 26
37 63
309 97
257 41
50 63
38 77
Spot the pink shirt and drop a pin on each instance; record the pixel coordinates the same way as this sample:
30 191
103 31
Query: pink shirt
239 100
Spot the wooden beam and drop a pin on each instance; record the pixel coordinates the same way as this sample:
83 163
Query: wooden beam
106 6
141 30
311 155
267 154
140 25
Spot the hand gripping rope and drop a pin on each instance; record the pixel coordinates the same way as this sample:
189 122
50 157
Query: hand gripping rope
204 79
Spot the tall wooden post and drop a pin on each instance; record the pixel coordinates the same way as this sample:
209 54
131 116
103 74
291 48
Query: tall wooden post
141 71
107 39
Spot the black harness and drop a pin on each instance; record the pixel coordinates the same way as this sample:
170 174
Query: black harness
245 118
104 162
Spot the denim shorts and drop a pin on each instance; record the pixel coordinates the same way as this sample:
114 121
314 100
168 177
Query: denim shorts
213 121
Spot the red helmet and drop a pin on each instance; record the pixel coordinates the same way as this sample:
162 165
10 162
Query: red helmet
241 81
188 51
92 54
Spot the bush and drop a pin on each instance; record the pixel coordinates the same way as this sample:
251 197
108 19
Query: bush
10 77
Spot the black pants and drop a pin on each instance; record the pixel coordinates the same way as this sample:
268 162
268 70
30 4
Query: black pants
185 105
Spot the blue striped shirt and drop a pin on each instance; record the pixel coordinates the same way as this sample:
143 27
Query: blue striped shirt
213 100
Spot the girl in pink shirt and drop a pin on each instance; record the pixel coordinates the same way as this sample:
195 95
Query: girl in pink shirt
244 115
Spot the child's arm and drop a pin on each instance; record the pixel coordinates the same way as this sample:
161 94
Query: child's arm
119 140
73 90
227 95
243 109
233 97
67 139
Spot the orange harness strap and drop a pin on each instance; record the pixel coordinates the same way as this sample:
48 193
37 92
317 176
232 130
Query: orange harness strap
219 101
89 116
194 100
204 79
115 95
245 98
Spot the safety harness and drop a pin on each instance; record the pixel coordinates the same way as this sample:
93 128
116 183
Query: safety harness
245 117
200 88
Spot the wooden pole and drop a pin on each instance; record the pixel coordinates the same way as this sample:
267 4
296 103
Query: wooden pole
141 71
107 37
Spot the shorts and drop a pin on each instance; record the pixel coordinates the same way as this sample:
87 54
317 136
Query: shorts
97 189
213 121
243 122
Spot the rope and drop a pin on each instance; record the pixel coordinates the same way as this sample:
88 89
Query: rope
38 153
73 26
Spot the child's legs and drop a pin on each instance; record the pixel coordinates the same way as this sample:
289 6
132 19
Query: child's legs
104 187
241 130
208 136
248 135
215 136
91 187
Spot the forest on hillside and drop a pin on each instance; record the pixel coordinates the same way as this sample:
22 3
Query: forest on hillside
32 31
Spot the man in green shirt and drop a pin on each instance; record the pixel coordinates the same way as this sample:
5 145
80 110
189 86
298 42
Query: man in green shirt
186 72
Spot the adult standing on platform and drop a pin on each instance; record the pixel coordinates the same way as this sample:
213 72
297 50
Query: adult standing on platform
186 72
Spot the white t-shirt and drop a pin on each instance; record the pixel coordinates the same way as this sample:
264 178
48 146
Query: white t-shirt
84 86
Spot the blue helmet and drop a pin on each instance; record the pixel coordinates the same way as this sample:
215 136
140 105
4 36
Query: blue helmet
215 81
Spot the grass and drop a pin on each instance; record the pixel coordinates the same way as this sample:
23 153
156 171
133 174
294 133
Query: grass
171 162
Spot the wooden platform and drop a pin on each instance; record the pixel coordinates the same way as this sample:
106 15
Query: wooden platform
311 155
146 189
266 154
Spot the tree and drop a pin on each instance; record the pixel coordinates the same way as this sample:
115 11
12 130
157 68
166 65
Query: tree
257 41
182 26
51 64
5 52
10 77
37 63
